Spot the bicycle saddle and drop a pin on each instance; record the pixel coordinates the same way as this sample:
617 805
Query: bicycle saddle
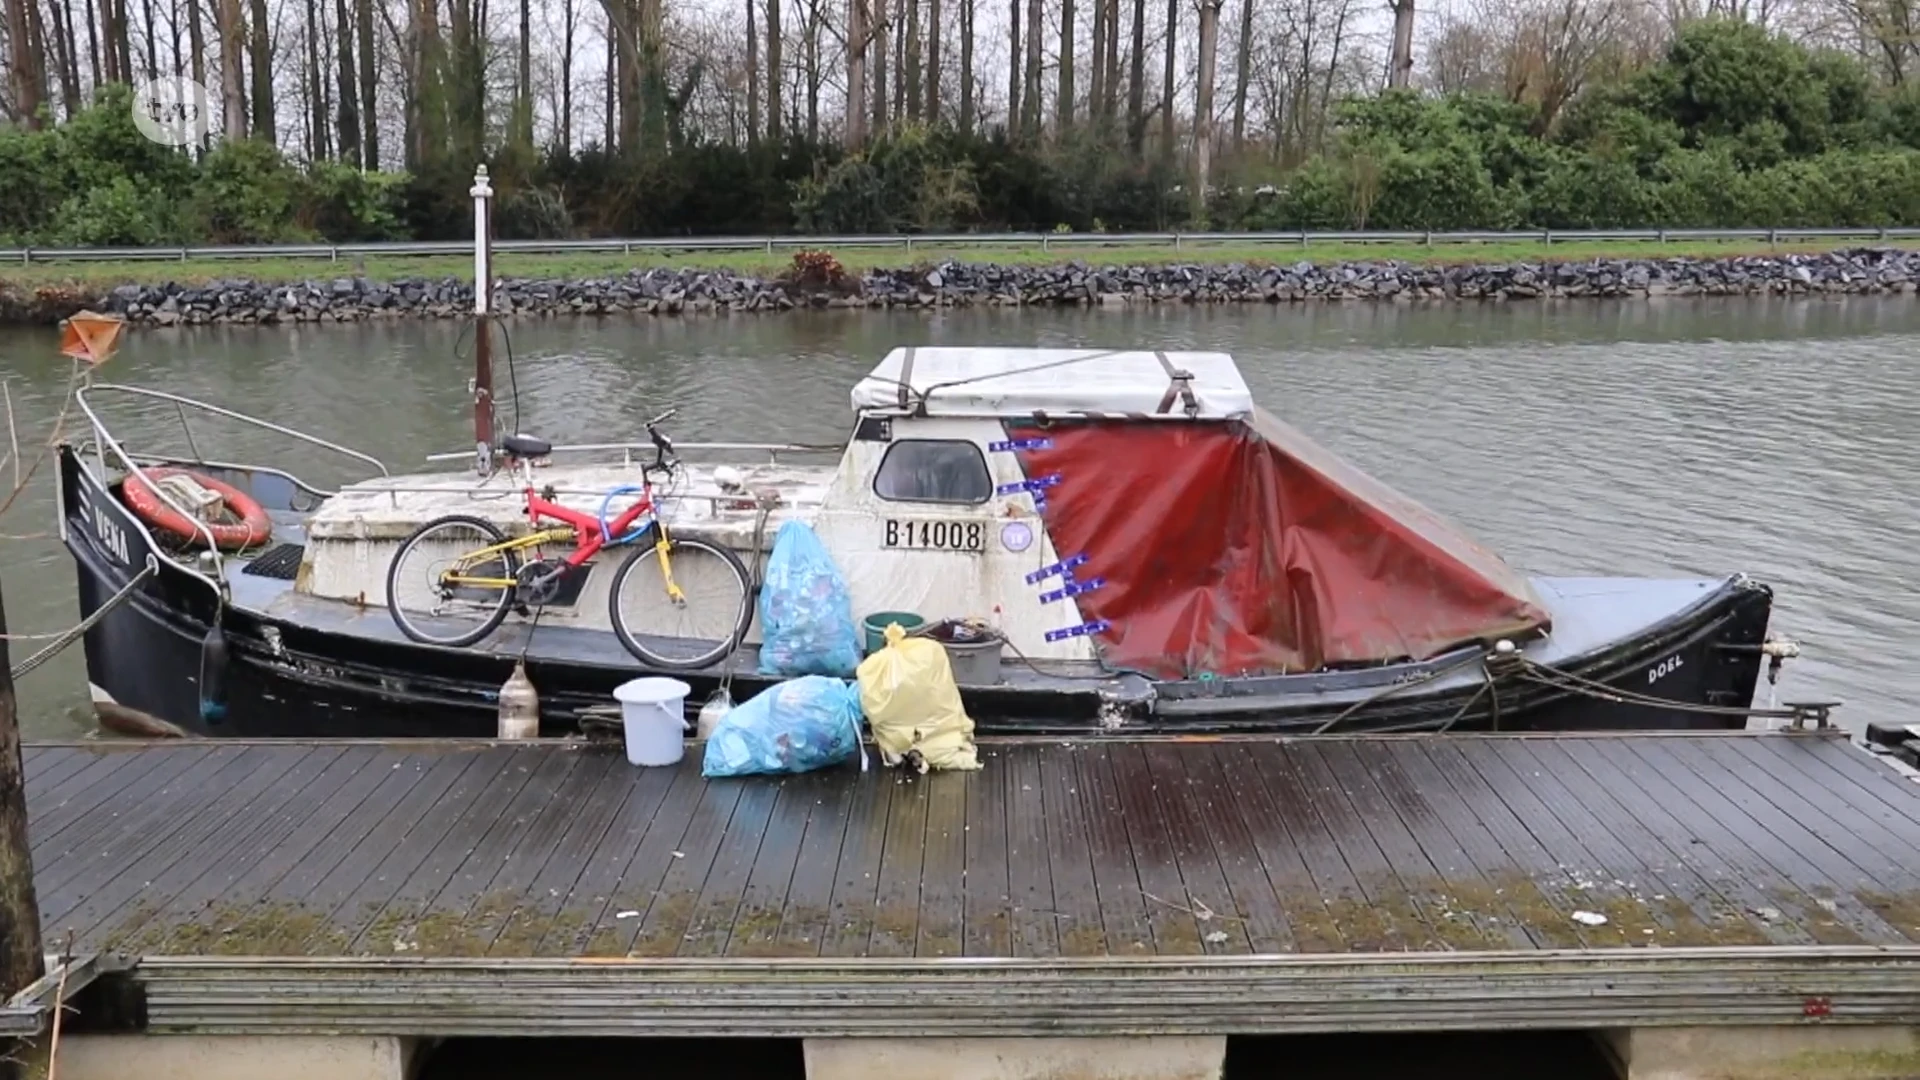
526 446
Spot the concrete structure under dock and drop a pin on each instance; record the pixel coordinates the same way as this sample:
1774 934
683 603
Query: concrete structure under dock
1707 905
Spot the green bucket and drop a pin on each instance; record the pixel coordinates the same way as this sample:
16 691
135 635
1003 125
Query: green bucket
876 626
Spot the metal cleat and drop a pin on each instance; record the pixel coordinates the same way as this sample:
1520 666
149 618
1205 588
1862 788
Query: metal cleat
1819 713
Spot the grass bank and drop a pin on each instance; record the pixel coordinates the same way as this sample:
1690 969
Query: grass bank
94 276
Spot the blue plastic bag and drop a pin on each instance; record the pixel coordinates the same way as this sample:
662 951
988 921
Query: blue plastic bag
798 726
806 613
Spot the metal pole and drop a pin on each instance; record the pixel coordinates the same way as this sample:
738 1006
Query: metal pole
482 193
21 958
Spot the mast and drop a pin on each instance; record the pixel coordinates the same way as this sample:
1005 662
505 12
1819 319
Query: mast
482 193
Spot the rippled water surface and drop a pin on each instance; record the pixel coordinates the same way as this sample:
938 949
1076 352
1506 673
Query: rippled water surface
1706 436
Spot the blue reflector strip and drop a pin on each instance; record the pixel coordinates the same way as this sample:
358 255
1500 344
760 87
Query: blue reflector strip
1060 567
1085 628
1072 588
1020 444
1035 485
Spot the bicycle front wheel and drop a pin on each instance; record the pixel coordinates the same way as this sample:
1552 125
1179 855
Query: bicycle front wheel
696 629
441 589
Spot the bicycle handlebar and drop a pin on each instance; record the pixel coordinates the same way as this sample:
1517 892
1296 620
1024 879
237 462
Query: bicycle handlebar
662 446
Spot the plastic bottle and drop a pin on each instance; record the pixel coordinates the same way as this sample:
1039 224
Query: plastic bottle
519 705
714 711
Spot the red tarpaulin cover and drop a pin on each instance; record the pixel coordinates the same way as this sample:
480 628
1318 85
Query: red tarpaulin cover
1241 547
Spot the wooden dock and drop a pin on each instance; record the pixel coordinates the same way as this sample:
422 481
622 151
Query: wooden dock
1093 888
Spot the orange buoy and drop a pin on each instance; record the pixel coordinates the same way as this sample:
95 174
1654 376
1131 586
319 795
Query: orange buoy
252 528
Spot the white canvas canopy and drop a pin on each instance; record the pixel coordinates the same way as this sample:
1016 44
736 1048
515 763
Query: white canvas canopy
1021 382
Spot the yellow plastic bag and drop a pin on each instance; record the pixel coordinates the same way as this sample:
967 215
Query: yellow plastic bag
913 704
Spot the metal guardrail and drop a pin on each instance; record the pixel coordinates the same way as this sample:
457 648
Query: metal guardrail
930 241
25 1016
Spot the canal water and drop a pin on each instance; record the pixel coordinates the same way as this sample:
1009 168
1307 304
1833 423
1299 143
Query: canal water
1702 436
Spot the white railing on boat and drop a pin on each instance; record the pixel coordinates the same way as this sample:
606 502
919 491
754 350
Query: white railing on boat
137 464
627 450
182 403
480 490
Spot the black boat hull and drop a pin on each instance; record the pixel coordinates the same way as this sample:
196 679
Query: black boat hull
148 664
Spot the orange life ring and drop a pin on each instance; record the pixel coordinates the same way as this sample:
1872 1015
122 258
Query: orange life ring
252 530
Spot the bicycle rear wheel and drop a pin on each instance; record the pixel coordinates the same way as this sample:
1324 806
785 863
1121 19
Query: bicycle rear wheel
434 611
698 630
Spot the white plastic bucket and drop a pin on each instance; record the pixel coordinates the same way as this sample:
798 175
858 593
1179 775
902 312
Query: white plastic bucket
655 713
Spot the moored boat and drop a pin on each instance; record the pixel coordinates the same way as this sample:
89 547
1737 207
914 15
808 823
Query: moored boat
1132 545
1155 552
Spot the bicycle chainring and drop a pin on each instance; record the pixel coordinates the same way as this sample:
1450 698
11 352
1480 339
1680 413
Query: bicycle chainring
538 582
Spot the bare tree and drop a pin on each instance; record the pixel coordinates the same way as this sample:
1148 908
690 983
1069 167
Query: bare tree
753 72
877 35
1400 67
1463 56
563 120
66 65
369 60
1303 64
1015 82
816 24
1888 30
1137 85
426 107
857 38
1166 86
910 70
774 113
27 82
1031 92
150 36
611 108
1242 72
313 85
1112 62
233 87
93 44
899 28
1561 45
523 82
1543 52
966 65
262 50
1203 106
196 40
1063 106
118 53
1097 71
933 61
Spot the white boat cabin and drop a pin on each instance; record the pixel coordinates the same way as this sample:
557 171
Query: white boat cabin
928 510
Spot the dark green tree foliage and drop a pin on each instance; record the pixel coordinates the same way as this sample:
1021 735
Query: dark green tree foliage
96 180
1732 127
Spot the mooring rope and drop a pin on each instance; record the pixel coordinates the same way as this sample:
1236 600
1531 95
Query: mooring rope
1498 666
1546 675
68 637
1418 680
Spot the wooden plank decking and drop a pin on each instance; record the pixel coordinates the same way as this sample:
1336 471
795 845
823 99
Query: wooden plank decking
1463 844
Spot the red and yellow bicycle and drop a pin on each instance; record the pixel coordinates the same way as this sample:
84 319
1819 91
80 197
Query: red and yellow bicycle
675 603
